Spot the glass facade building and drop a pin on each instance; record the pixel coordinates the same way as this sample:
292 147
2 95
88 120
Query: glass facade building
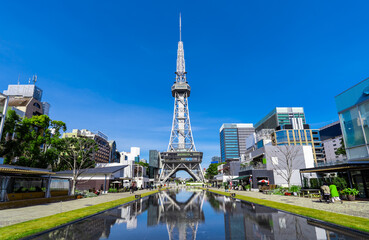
353 110
233 140
281 116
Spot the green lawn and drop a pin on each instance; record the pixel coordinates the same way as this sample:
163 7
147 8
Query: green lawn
24 229
358 223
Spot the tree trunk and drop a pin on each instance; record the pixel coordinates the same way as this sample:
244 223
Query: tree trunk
73 187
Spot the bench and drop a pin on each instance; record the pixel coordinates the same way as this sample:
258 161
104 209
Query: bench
310 193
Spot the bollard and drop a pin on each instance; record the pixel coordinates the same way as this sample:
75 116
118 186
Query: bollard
138 196
233 195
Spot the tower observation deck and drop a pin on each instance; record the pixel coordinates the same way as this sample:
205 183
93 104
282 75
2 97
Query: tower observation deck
181 153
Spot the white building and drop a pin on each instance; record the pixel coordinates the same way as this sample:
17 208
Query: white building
133 172
330 147
270 163
129 158
331 137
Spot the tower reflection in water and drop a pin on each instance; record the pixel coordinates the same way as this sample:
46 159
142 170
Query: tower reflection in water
179 215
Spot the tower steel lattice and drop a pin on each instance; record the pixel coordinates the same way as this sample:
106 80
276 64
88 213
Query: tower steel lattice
181 153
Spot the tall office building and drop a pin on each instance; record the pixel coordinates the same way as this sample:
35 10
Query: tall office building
216 159
154 164
233 140
103 153
282 116
114 155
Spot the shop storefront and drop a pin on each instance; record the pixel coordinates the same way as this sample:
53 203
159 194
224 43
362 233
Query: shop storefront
353 175
21 183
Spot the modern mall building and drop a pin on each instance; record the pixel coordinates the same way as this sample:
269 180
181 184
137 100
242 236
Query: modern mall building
290 128
353 109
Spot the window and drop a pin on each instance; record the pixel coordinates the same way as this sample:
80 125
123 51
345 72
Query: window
37 105
352 128
364 112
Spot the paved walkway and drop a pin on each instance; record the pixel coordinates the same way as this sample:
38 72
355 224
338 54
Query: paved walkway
353 208
17 215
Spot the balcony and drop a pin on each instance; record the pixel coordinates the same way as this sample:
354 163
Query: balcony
326 164
258 166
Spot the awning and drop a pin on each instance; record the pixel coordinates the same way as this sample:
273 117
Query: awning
240 177
336 168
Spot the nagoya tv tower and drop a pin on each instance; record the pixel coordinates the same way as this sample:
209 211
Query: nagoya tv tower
181 153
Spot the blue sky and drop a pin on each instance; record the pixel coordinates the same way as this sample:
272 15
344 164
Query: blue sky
109 65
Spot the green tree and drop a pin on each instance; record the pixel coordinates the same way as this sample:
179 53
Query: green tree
9 149
143 164
341 150
77 155
31 142
212 170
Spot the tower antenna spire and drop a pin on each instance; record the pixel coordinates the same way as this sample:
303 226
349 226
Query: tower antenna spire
180 27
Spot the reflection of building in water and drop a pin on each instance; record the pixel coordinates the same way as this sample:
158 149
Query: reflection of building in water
128 214
90 228
181 218
248 221
234 226
153 211
127 217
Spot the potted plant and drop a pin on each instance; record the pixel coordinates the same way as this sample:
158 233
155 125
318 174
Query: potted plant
350 193
294 189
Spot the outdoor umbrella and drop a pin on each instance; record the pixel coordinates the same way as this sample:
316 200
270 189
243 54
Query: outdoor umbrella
263 181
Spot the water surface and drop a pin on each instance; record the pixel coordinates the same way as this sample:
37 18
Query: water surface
194 214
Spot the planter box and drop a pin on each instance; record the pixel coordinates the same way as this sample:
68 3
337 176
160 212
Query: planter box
59 193
351 197
29 195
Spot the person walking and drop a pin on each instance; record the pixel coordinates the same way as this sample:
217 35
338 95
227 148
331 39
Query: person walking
334 193
326 192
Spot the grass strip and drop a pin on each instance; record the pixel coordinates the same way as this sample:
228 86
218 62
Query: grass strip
28 228
357 223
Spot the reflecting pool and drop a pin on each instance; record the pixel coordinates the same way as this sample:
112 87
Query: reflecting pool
194 214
